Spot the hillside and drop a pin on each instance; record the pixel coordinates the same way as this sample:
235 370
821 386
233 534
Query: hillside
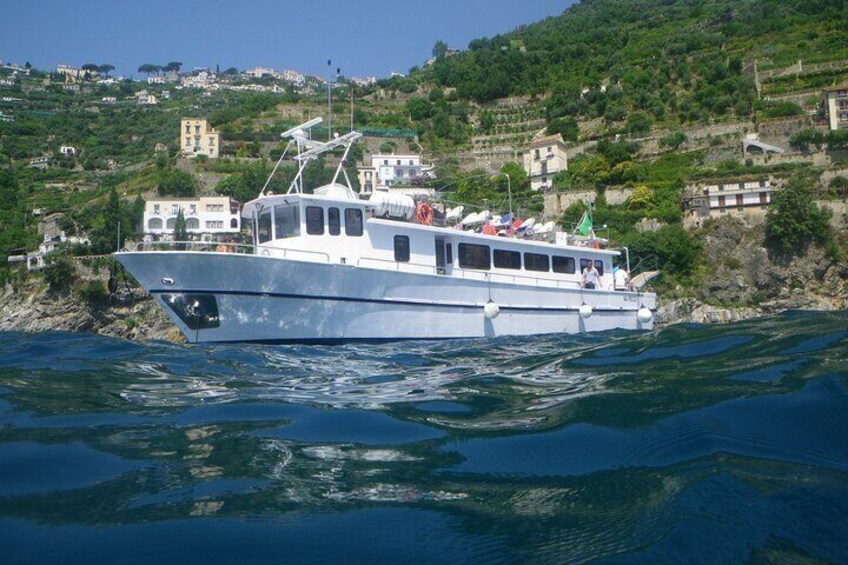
650 96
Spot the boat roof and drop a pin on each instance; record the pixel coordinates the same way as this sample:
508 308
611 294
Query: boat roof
328 194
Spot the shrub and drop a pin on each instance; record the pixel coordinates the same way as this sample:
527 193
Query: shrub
673 140
93 291
793 219
59 271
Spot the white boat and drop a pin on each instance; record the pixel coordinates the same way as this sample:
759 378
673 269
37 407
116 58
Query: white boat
327 267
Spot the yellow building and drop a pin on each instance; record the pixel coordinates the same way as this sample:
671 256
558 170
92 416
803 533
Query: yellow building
197 138
545 157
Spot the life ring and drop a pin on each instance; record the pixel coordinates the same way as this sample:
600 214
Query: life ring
424 213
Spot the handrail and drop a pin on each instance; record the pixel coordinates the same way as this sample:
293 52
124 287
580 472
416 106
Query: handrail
224 247
196 246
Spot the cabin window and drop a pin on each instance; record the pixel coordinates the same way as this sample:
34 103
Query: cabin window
473 256
584 263
401 248
286 221
506 259
536 262
449 254
600 266
563 264
353 221
334 221
264 230
314 220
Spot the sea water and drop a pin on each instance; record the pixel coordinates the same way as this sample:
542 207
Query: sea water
692 443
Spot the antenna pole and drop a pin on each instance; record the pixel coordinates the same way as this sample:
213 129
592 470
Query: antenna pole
351 105
118 248
329 100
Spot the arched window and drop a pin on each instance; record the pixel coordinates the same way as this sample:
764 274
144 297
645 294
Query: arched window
234 223
154 224
192 224
171 223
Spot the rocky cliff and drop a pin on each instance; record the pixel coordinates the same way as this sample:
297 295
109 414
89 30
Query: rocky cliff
129 314
743 279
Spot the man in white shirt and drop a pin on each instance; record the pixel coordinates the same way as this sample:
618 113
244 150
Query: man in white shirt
621 279
590 276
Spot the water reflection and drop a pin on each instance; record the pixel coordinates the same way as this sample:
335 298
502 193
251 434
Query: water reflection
547 449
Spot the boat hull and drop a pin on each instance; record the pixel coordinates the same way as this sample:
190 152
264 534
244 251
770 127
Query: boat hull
220 297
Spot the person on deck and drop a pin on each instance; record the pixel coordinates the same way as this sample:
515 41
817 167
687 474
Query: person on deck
590 276
621 279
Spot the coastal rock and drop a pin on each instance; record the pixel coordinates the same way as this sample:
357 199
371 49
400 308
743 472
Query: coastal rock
128 314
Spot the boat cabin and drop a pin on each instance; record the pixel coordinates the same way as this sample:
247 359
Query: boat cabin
334 226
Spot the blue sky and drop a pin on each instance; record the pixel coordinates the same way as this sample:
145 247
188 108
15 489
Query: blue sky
363 37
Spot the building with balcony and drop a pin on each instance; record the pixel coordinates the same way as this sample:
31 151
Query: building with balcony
835 104
401 174
748 198
545 157
197 138
216 215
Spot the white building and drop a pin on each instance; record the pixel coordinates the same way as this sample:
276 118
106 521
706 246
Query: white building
259 72
363 81
835 102
156 80
203 79
292 77
749 198
545 157
144 98
198 138
205 215
74 74
68 150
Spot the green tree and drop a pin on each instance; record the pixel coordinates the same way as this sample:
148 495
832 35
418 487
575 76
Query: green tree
673 140
149 69
59 271
105 69
104 235
678 253
440 49
174 182
639 123
566 127
180 230
487 121
793 220
419 109
640 199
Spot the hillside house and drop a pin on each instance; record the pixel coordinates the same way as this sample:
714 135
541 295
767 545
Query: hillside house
747 198
835 104
144 98
197 138
545 157
214 215
392 171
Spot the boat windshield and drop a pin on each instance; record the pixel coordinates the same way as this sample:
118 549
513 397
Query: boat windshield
286 221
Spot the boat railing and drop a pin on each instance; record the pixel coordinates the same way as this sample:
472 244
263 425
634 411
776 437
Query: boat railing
197 246
228 247
287 253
